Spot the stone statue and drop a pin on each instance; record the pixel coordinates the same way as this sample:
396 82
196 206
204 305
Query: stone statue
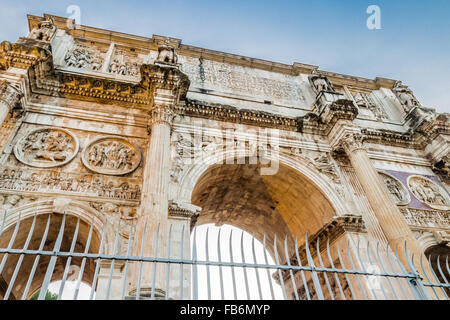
321 83
406 96
167 54
45 30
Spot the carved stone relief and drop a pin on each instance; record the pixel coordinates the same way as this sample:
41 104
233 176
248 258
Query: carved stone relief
324 164
124 64
205 73
112 156
427 218
47 148
364 100
396 189
429 192
83 57
60 182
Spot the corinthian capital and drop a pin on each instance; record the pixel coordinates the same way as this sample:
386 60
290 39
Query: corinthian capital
352 142
161 113
9 94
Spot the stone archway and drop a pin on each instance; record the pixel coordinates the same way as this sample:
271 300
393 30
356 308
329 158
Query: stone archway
48 212
288 203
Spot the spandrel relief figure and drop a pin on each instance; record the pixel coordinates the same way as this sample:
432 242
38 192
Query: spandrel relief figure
429 192
396 189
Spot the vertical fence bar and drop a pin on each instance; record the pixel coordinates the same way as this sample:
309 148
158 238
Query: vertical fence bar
194 266
280 274
258 282
168 264
10 245
322 265
435 277
138 289
358 254
384 270
208 275
232 267
69 260
219 255
288 259
125 273
97 264
314 276
19 263
83 262
336 277
155 264
247 289
416 283
440 270
393 270
113 260
52 263
302 273
267 270
36 260
370 261
341 261
363 291
181 264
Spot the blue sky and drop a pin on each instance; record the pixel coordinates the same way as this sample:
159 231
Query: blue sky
413 44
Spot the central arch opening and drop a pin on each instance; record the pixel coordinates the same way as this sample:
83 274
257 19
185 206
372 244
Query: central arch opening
286 204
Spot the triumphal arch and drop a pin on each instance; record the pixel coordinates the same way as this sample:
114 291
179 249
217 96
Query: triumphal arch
155 134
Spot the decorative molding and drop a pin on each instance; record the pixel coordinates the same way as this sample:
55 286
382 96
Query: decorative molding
47 147
112 155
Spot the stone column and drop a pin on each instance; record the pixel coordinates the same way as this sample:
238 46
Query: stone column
9 98
168 85
391 220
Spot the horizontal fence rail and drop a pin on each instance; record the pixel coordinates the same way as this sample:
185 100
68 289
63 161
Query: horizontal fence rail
42 256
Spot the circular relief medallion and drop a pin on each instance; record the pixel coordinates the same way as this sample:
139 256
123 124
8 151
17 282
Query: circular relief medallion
47 148
112 156
396 189
429 192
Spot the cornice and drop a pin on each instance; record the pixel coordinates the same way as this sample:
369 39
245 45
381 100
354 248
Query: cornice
230 114
97 34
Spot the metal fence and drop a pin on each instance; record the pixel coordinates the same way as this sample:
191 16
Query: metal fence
41 249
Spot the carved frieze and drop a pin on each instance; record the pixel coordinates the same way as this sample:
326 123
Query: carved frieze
123 64
112 156
396 189
429 192
47 148
44 181
84 57
365 100
427 218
